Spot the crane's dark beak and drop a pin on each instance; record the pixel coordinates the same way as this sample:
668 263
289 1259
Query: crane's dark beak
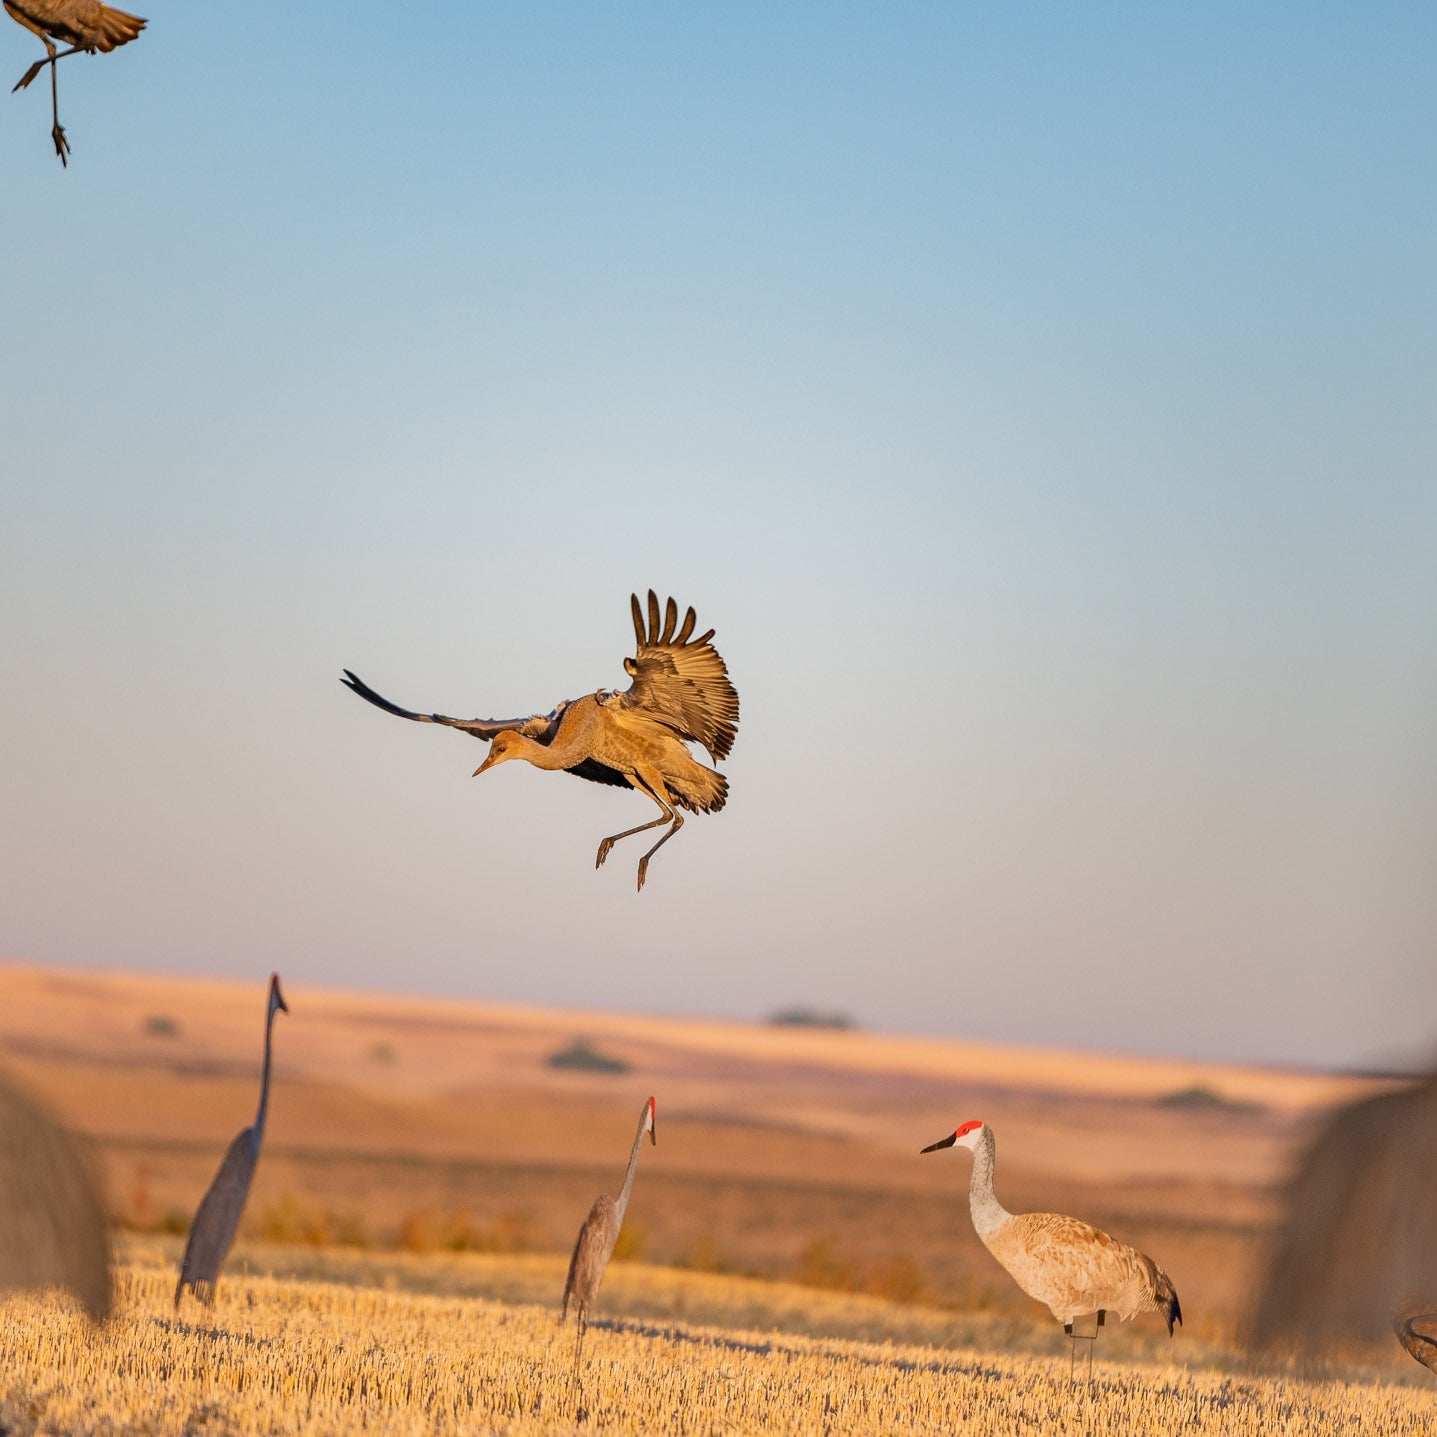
942 1143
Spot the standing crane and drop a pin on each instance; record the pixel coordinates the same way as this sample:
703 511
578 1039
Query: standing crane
53 1232
595 1244
1073 1267
680 693
85 26
218 1215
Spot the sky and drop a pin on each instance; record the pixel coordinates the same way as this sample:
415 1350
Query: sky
1039 401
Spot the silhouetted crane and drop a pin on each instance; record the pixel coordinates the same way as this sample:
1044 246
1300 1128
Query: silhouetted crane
1073 1267
217 1218
680 691
52 1222
85 26
595 1245
1357 1251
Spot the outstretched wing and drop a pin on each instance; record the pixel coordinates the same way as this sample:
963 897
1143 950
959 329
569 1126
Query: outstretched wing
539 727
679 680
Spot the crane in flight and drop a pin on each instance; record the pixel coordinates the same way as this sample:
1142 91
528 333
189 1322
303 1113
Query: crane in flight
1074 1268
595 1244
85 26
636 736
218 1215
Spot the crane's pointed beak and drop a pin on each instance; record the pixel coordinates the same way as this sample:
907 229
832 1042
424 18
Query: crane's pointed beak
942 1143
488 763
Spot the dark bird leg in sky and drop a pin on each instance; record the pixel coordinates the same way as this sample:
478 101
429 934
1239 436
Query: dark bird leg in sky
650 783
62 145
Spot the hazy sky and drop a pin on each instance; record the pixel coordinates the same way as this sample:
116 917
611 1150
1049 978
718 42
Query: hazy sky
1039 400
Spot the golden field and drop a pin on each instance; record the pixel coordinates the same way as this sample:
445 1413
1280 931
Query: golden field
789 1263
304 1356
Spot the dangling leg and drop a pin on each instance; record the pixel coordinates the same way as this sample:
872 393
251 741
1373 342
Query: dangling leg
1072 1347
653 782
665 817
62 145
580 1326
57 133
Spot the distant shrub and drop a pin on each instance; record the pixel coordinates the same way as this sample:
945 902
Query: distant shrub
290 1220
581 1057
428 1231
820 1265
802 1017
381 1053
161 1025
1201 1097
899 1279
705 1255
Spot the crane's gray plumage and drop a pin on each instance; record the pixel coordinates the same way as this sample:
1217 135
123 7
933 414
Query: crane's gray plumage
636 737
217 1218
52 1222
85 26
597 1236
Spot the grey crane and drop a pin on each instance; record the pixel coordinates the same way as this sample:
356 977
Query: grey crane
595 1244
218 1215
638 736
53 1232
1072 1266
85 26
1356 1254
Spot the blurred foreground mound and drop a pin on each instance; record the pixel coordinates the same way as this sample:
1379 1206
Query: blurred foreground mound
1357 1255
53 1229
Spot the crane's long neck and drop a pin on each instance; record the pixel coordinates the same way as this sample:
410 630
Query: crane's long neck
264 1077
573 740
988 1212
623 1198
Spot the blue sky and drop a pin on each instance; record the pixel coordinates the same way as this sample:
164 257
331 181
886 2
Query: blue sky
1037 400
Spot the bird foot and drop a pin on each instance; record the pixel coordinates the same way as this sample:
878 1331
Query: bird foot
62 145
29 75
643 873
604 848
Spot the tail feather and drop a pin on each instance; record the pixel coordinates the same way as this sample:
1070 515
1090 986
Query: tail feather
115 27
698 789
1166 1299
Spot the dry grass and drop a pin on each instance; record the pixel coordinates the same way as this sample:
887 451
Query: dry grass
308 1356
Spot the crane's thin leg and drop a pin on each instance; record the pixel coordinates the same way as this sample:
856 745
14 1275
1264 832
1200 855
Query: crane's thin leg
580 1326
644 861
667 816
50 59
57 133
653 782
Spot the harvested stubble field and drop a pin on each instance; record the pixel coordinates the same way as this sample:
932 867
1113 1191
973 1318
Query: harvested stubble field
401 1128
287 1355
